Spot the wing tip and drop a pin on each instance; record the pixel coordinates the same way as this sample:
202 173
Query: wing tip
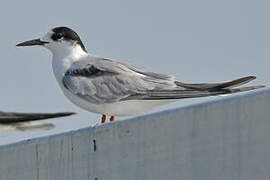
249 88
65 113
250 78
259 86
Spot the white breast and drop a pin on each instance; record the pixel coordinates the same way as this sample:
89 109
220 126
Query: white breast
121 108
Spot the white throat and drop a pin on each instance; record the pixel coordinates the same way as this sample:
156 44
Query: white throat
64 57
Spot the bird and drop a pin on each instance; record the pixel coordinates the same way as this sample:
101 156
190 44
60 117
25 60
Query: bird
24 121
113 88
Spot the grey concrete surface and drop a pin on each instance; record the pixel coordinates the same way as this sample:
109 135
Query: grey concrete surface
228 139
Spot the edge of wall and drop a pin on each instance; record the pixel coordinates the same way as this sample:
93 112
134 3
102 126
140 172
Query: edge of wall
214 102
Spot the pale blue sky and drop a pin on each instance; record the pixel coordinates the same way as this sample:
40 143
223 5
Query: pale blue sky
196 41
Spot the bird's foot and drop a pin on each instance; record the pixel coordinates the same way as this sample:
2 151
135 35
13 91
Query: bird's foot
112 118
103 119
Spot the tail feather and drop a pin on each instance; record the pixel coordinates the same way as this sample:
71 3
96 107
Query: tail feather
183 94
215 86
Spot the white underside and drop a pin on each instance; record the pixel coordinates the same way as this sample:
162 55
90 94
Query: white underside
122 108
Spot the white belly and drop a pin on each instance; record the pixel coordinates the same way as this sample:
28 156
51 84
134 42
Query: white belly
122 108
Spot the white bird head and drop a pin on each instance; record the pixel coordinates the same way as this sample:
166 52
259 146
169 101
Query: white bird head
61 41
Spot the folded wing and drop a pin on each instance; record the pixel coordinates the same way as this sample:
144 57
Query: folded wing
105 81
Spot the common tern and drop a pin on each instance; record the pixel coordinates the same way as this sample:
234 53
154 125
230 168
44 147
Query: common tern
116 88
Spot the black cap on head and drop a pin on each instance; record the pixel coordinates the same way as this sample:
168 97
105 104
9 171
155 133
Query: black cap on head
67 34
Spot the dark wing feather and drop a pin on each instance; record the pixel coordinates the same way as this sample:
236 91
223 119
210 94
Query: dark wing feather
212 86
182 94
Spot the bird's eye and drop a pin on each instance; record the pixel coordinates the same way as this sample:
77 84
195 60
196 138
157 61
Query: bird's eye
58 35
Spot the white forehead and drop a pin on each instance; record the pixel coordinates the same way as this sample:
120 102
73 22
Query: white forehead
47 36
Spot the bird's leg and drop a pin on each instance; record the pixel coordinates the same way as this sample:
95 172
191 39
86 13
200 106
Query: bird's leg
112 118
103 119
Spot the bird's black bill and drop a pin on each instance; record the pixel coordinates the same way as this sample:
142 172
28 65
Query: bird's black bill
33 42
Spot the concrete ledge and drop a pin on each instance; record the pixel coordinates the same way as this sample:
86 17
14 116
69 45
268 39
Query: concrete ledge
226 139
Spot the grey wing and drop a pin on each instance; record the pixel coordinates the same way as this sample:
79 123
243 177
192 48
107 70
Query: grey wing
104 81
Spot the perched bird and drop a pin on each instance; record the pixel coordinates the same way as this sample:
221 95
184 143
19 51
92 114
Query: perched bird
24 121
115 88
